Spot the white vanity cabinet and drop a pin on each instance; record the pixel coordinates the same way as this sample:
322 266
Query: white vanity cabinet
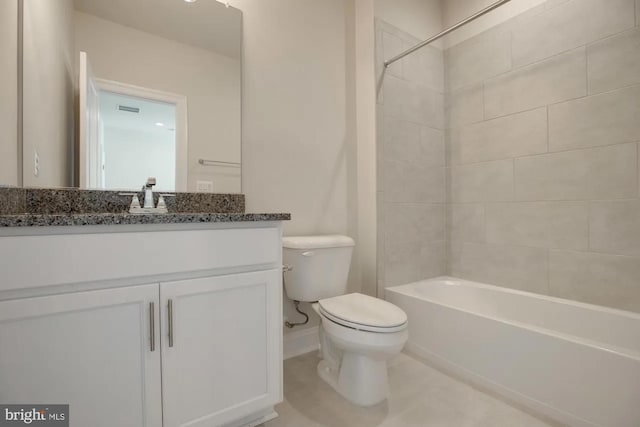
89 349
184 333
219 354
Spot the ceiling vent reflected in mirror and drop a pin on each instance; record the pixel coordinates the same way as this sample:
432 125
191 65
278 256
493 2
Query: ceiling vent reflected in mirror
129 109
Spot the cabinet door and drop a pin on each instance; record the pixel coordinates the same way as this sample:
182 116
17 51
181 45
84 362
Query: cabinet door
221 348
91 350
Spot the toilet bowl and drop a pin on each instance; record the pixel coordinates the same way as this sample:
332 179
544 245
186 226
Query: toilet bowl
358 333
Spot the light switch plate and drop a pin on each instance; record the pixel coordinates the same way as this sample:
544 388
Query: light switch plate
36 163
204 186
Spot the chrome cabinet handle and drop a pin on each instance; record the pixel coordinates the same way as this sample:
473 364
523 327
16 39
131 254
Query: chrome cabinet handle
152 324
170 309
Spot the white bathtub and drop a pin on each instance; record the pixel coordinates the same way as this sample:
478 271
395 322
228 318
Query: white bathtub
576 363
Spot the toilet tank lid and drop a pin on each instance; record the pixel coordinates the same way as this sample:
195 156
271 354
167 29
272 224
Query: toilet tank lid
317 242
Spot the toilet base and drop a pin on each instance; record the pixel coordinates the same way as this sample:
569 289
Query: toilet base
360 379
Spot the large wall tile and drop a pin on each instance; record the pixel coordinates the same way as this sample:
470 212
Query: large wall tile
506 137
562 225
490 181
615 227
380 241
409 222
425 67
515 267
408 182
380 141
432 147
597 173
557 79
568 26
466 222
478 58
433 259
605 119
465 105
400 138
601 279
551 4
411 142
406 263
392 45
412 102
614 62
411 161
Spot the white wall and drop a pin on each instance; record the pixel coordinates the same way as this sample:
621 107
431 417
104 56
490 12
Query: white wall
8 92
48 98
298 147
365 255
294 112
211 83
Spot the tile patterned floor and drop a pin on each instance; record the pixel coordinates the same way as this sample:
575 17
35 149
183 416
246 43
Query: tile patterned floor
420 396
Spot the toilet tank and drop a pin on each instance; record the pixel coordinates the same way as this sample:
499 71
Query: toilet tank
319 266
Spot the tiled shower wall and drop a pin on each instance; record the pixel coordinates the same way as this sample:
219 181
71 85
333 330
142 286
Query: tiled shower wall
411 161
537 185
543 117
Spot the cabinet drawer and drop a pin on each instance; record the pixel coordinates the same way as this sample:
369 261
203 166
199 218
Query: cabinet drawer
35 261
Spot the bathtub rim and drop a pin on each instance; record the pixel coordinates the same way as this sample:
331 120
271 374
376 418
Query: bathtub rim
618 350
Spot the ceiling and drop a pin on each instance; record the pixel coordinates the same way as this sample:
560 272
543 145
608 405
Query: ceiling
206 24
151 113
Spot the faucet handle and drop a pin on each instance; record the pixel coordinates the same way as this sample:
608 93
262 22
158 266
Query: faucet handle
151 181
135 203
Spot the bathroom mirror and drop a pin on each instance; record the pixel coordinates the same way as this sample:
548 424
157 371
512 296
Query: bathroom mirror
117 91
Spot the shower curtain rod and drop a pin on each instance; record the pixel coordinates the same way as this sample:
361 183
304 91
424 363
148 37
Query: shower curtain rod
445 32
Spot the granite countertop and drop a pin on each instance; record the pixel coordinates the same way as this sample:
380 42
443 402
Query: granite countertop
25 207
30 220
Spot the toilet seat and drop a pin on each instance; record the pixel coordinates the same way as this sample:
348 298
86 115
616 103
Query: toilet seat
365 313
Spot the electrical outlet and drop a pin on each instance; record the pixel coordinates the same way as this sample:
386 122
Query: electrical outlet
36 163
204 186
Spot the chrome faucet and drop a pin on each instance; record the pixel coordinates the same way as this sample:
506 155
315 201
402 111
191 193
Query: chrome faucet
148 193
149 206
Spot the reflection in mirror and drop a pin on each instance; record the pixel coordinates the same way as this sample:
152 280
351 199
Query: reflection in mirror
9 173
118 91
138 140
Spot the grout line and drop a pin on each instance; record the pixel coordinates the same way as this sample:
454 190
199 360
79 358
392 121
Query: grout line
567 100
485 233
589 224
549 270
524 201
638 169
469 87
586 70
527 156
548 131
513 167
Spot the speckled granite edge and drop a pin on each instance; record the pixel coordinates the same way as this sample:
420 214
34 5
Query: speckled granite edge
128 219
36 201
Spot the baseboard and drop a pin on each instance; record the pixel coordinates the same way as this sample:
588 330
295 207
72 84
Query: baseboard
300 342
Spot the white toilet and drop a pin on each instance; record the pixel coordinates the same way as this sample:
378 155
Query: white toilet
358 333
